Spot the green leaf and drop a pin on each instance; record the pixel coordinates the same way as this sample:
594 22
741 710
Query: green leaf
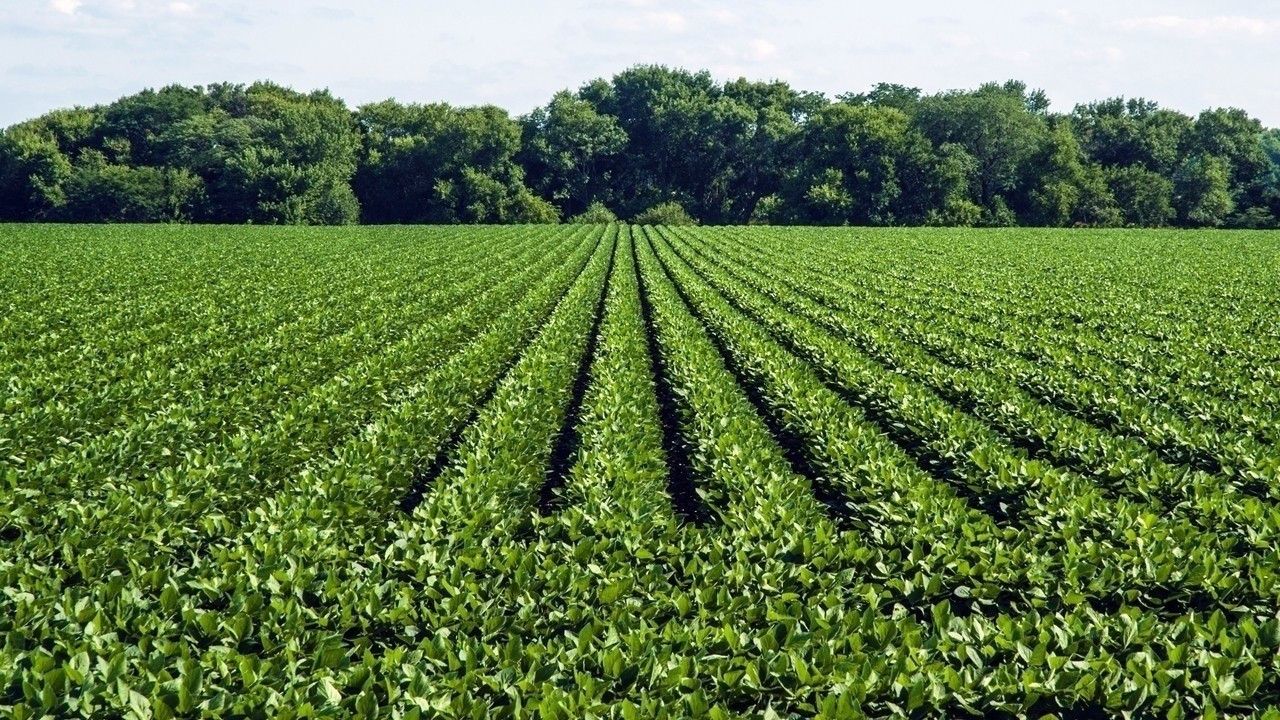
330 691
1251 680
169 599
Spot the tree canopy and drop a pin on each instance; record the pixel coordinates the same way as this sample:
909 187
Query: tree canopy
649 138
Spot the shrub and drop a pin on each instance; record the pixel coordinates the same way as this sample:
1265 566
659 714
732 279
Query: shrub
666 213
767 211
595 214
529 208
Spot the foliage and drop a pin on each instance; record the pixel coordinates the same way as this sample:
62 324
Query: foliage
1144 197
1132 133
737 152
566 152
441 164
98 191
1202 193
300 160
1068 190
1000 126
32 173
665 213
859 161
595 213
1270 142
619 471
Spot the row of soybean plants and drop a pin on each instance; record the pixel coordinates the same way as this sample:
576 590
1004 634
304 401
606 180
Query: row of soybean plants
160 470
143 327
247 334
1092 563
610 607
1010 393
1019 442
1193 336
819 579
435 587
502 609
176 569
486 604
1199 293
1224 375
761 604
324 598
932 348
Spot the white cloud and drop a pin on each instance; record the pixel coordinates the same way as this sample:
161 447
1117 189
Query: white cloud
957 39
1018 57
66 7
1060 16
120 9
1203 27
671 22
728 70
724 16
762 49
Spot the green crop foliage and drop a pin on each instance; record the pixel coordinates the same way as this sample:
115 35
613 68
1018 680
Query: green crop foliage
620 471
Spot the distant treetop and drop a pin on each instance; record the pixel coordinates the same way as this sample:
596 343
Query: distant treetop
646 143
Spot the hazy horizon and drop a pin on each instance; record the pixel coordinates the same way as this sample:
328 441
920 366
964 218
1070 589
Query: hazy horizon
60 53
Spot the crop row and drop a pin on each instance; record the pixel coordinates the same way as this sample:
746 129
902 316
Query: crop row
629 472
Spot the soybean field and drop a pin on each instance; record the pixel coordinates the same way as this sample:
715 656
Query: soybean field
616 471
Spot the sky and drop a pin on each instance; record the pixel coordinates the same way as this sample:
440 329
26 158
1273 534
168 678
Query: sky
1187 55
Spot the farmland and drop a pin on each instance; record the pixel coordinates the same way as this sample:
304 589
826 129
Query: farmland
638 472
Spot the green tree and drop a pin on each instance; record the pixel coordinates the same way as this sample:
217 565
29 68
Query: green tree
1202 191
664 113
826 200
1233 137
1000 126
649 137
101 191
565 149
887 95
214 146
135 124
954 175
1063 188
1132 133
300 159
33 171
766 149
1144 197
441 164
1270 143
227 154
715 149
861 164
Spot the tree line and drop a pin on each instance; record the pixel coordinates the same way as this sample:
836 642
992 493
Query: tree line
653 143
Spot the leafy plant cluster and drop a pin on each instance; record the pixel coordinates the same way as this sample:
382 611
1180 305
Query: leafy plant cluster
653 145
603 470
